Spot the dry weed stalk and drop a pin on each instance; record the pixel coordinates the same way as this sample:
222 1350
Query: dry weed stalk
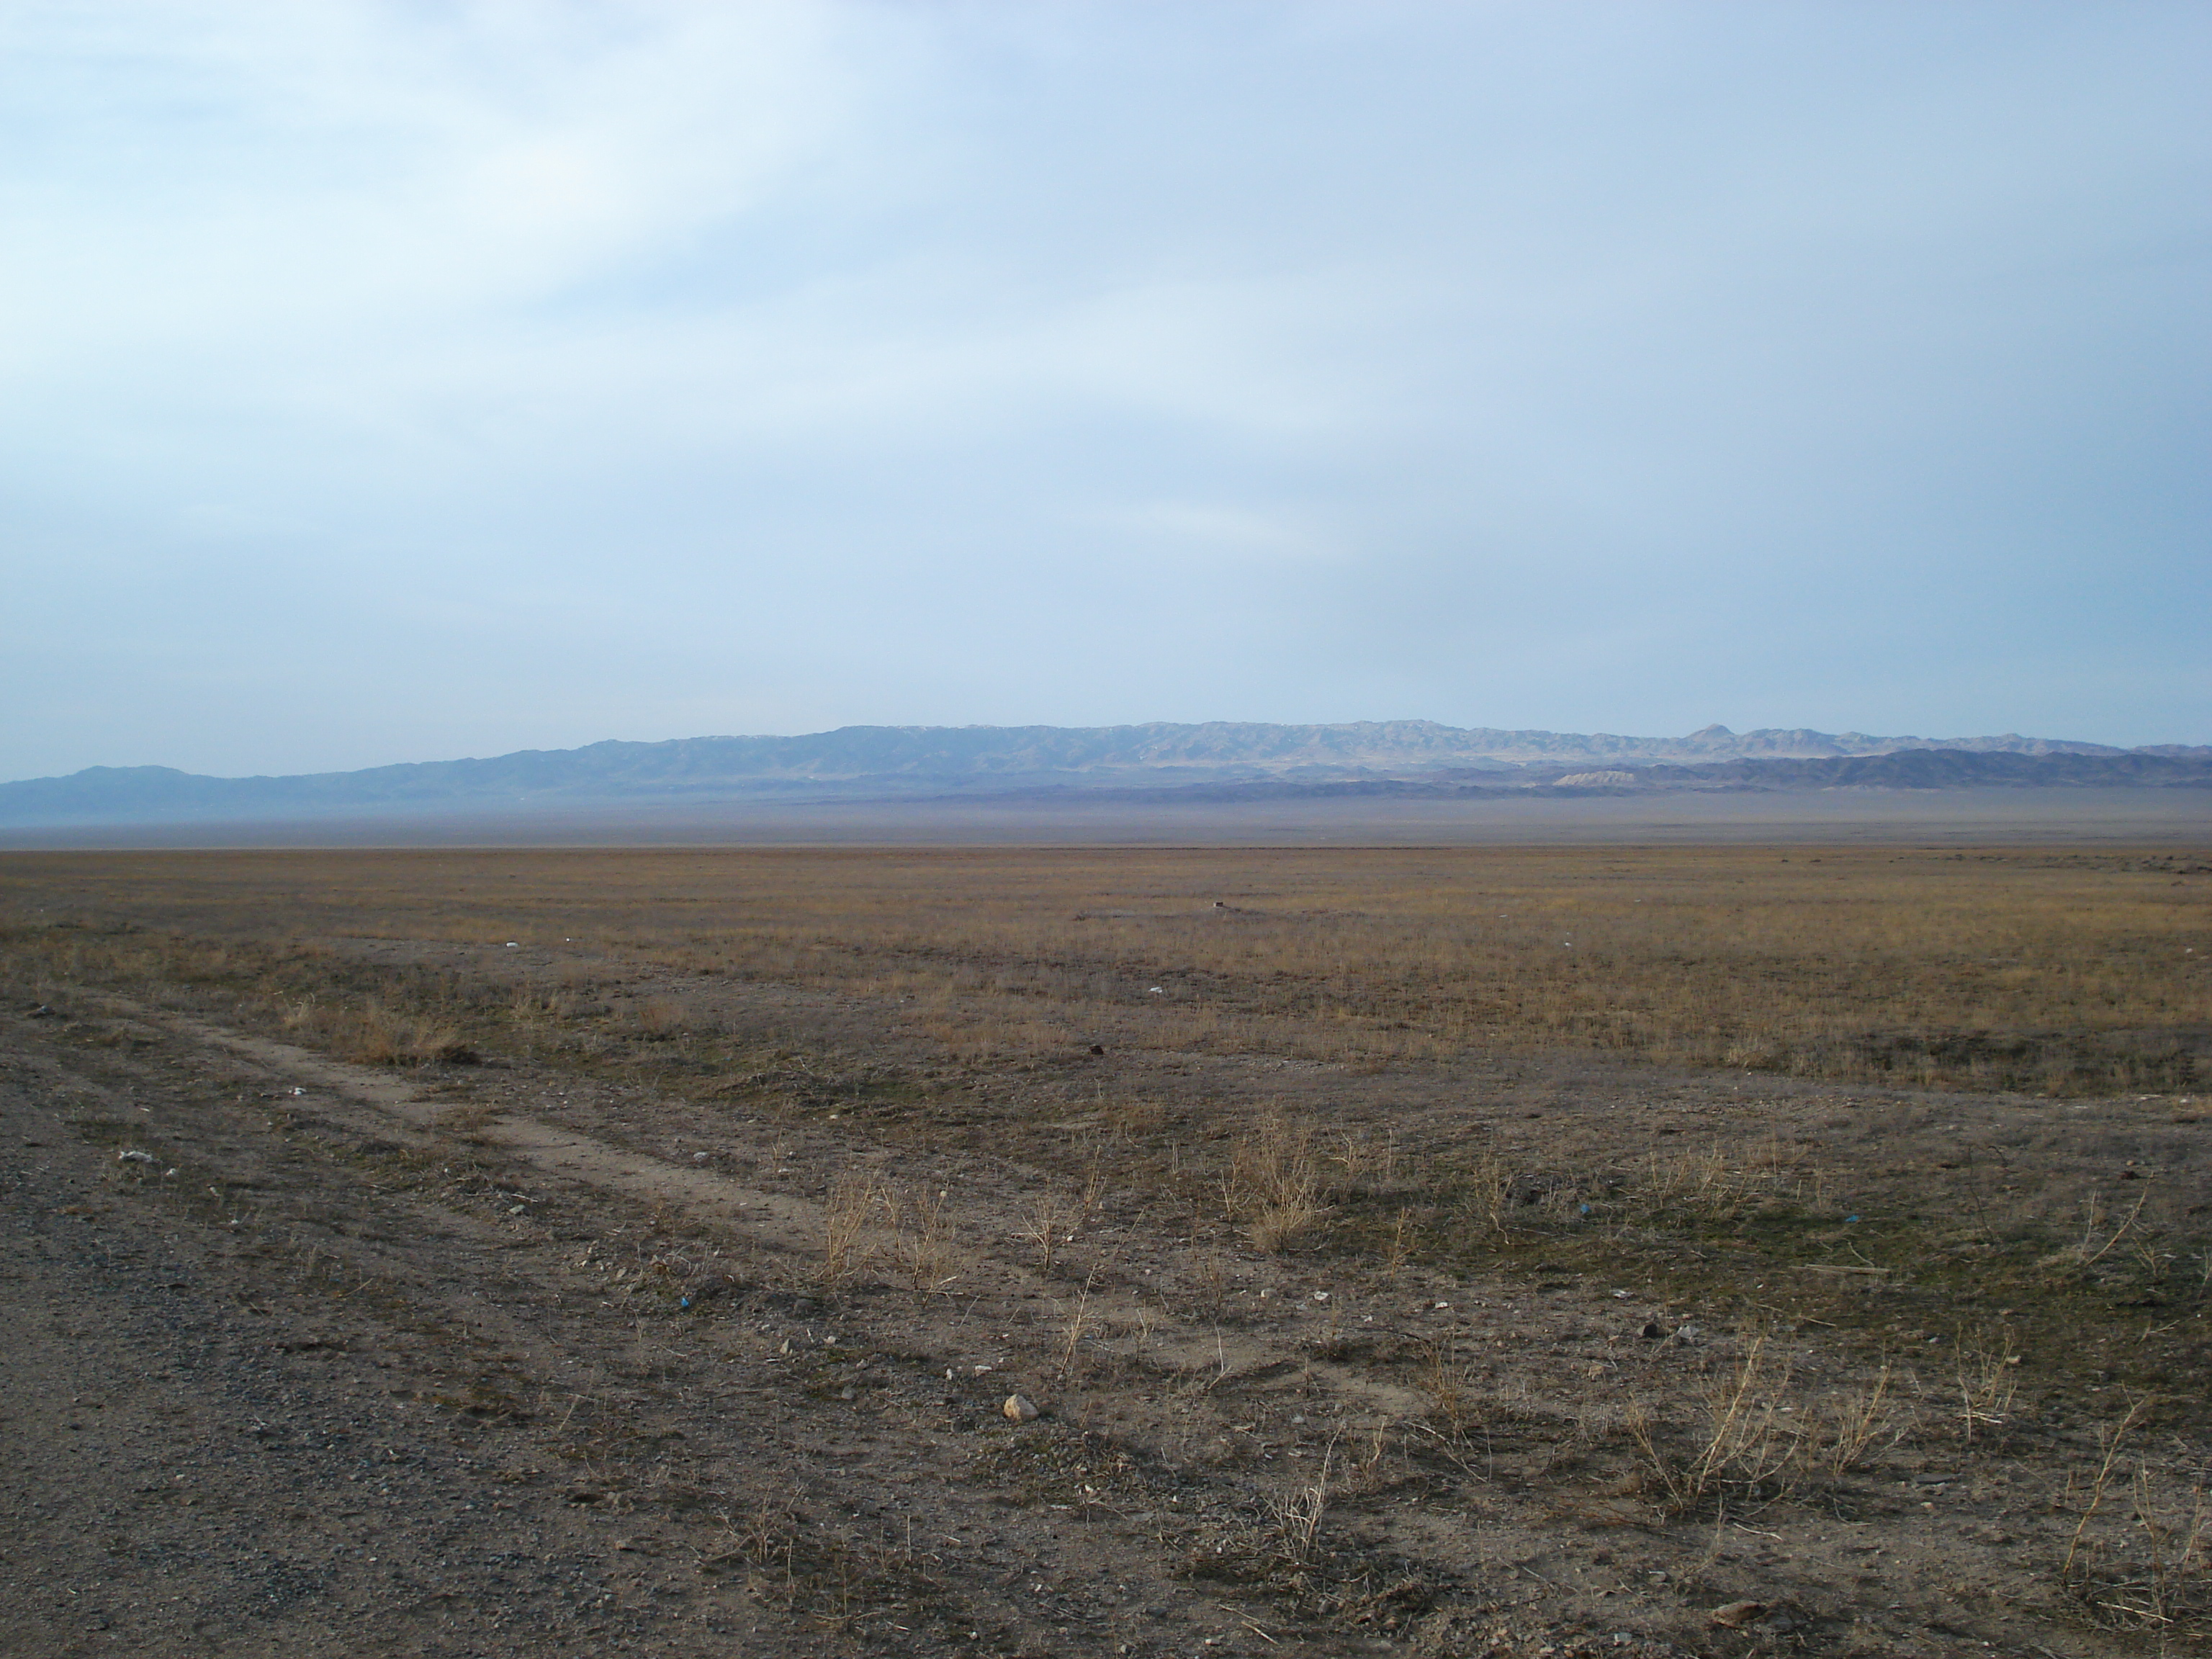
2090 1257
1443 1380
1702 1179
2177 1578
1369 1468
766 1540
1401 1242
1988 1377
1853 1421
2164 1580
1298 1512
923 1238
1745 1443
1363 1153
1489 1196
1133 1120
1050 1224
384 1038
1078 1326
845 1217
2109 1441
373 1033
1094 1182
1273 1184
660 1016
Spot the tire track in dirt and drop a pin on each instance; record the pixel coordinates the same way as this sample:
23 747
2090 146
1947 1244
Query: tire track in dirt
776 1219
251 1461
817 1471
1220 1367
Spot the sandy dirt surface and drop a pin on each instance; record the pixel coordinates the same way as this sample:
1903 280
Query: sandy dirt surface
308 1357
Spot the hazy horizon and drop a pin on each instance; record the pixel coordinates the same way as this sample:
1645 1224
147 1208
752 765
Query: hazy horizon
977 727
392 383
1536 746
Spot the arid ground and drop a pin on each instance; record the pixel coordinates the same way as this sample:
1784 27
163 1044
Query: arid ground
1444 1251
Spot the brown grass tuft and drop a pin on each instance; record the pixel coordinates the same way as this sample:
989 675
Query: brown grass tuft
1273 1184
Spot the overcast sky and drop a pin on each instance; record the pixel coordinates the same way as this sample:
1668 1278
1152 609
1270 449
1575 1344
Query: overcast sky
403 381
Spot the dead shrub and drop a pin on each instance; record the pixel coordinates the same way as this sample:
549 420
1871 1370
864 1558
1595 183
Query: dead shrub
1273 1184
1444 1380
2140 1556
1485 1199
384 1038
1849 1422
1747 1441
1049 1224
374 1034
1988 1377
660 1016
921 1230
1135 1118
849 1215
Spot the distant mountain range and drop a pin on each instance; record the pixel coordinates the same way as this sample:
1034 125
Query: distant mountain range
1217 760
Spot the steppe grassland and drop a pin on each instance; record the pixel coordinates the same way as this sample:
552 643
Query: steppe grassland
2056 971
924 997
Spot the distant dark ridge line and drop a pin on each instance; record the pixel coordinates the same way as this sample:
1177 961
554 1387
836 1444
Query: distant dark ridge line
1390 757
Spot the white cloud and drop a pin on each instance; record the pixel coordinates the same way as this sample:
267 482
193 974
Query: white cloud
1215 529
250 172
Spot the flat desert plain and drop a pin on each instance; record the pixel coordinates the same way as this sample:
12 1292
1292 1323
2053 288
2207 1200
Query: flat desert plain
1230 819
1018 1250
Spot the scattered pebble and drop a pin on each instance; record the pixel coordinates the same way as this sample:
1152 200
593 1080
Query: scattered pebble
1019 1408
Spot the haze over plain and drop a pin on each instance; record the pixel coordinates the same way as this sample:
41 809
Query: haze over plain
390 384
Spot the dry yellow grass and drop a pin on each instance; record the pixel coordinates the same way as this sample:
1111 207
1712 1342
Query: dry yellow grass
2061 971
1806 1282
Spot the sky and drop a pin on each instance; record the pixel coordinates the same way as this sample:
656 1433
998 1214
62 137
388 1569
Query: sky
409 381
